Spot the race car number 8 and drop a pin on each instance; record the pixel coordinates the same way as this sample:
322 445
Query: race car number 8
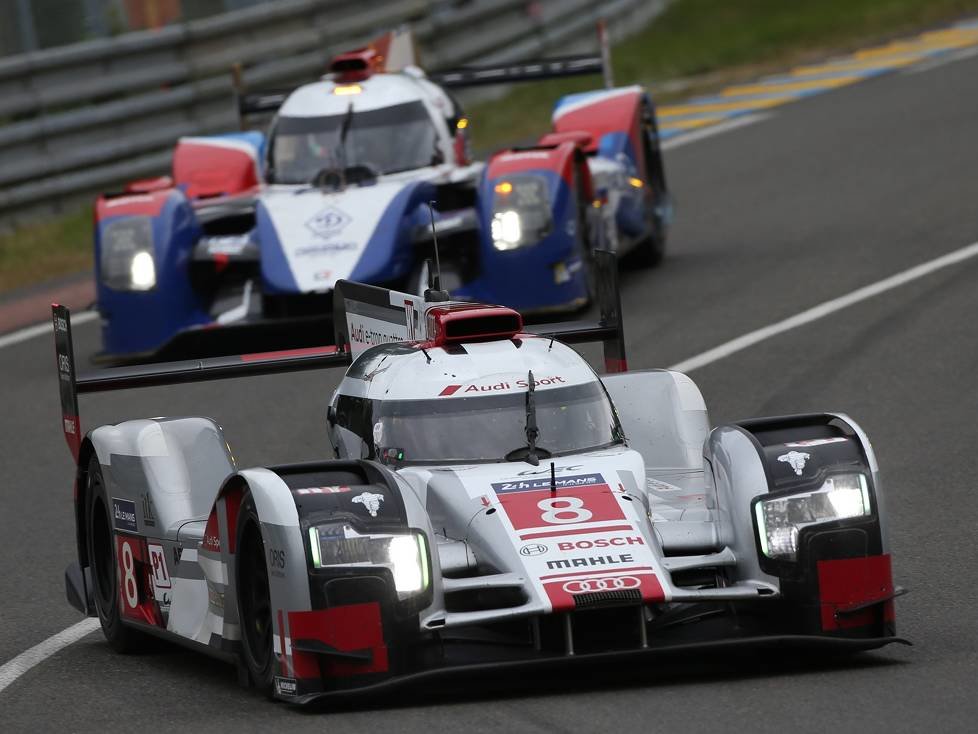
563 510
129 578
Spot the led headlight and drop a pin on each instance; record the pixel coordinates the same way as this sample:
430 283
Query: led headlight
127 255
780 519
405 554
520 212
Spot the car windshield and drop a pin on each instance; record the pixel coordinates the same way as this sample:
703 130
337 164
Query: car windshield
487 427
397 138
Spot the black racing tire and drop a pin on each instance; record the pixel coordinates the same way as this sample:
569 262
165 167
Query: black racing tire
101 550
254 599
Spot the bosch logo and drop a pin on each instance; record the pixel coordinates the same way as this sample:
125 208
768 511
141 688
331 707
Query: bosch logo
533 549
584 586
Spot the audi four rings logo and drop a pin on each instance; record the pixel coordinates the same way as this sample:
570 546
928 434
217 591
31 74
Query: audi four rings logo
619 583
533 549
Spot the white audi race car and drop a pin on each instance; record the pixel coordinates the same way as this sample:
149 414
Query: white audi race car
493 504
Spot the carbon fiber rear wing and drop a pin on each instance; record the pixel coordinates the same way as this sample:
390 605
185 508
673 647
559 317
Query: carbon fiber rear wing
363 316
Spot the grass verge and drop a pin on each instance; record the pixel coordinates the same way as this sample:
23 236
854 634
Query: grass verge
58 246
712 41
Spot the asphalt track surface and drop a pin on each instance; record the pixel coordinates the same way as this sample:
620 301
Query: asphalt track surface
827 195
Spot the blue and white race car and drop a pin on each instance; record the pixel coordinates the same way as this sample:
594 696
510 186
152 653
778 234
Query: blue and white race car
251 231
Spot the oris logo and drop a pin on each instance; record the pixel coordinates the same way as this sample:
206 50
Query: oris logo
533 549
584 586
276 558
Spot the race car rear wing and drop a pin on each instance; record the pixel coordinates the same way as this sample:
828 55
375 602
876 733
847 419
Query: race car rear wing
363 316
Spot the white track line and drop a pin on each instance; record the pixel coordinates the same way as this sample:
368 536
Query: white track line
13 669
824 309
16 337
706 132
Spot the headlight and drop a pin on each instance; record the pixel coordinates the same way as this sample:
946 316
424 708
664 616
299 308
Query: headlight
127 255
779 520
520 212
340 546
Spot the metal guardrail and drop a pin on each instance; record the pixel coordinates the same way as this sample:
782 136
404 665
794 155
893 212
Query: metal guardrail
78 119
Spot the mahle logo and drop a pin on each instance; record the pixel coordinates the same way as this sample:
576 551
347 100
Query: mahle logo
328 222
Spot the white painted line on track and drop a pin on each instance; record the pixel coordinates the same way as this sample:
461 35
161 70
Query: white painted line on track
12 670
824 309
706 132
16 337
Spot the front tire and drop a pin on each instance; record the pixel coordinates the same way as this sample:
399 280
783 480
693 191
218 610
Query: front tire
101 547
254 599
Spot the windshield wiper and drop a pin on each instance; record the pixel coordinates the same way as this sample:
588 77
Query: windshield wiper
532 432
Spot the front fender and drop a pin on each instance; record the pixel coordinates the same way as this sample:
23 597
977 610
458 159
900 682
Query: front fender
142 321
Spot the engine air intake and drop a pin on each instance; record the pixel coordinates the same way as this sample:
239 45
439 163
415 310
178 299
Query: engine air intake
453 324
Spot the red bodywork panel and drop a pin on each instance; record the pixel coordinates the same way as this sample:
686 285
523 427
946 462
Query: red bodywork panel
147 204
347 628
559 159
853 581
210 168
614 112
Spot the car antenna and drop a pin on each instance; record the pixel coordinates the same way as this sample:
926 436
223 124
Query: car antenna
532 432
427 356
434 292
553 480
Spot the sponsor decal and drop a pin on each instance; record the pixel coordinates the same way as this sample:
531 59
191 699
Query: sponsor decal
525 485
124 514
501 386
328 221
615 583
285 686
591 561
571 545
211 543
370 501
322 275
374 333
797 460
533 549
149 516
322 490
325 249
70 426
161 576
232 244
215 598
657 485
557 470
815 442
526 155
276 561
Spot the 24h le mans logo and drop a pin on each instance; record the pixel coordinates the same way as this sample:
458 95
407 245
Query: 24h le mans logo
328 222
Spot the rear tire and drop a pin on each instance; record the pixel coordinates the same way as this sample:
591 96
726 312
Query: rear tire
254 599
101 547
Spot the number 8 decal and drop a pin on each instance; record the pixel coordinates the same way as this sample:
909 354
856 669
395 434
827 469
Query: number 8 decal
557 509
130 589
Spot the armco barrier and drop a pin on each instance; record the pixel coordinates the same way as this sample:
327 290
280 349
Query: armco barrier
81 118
